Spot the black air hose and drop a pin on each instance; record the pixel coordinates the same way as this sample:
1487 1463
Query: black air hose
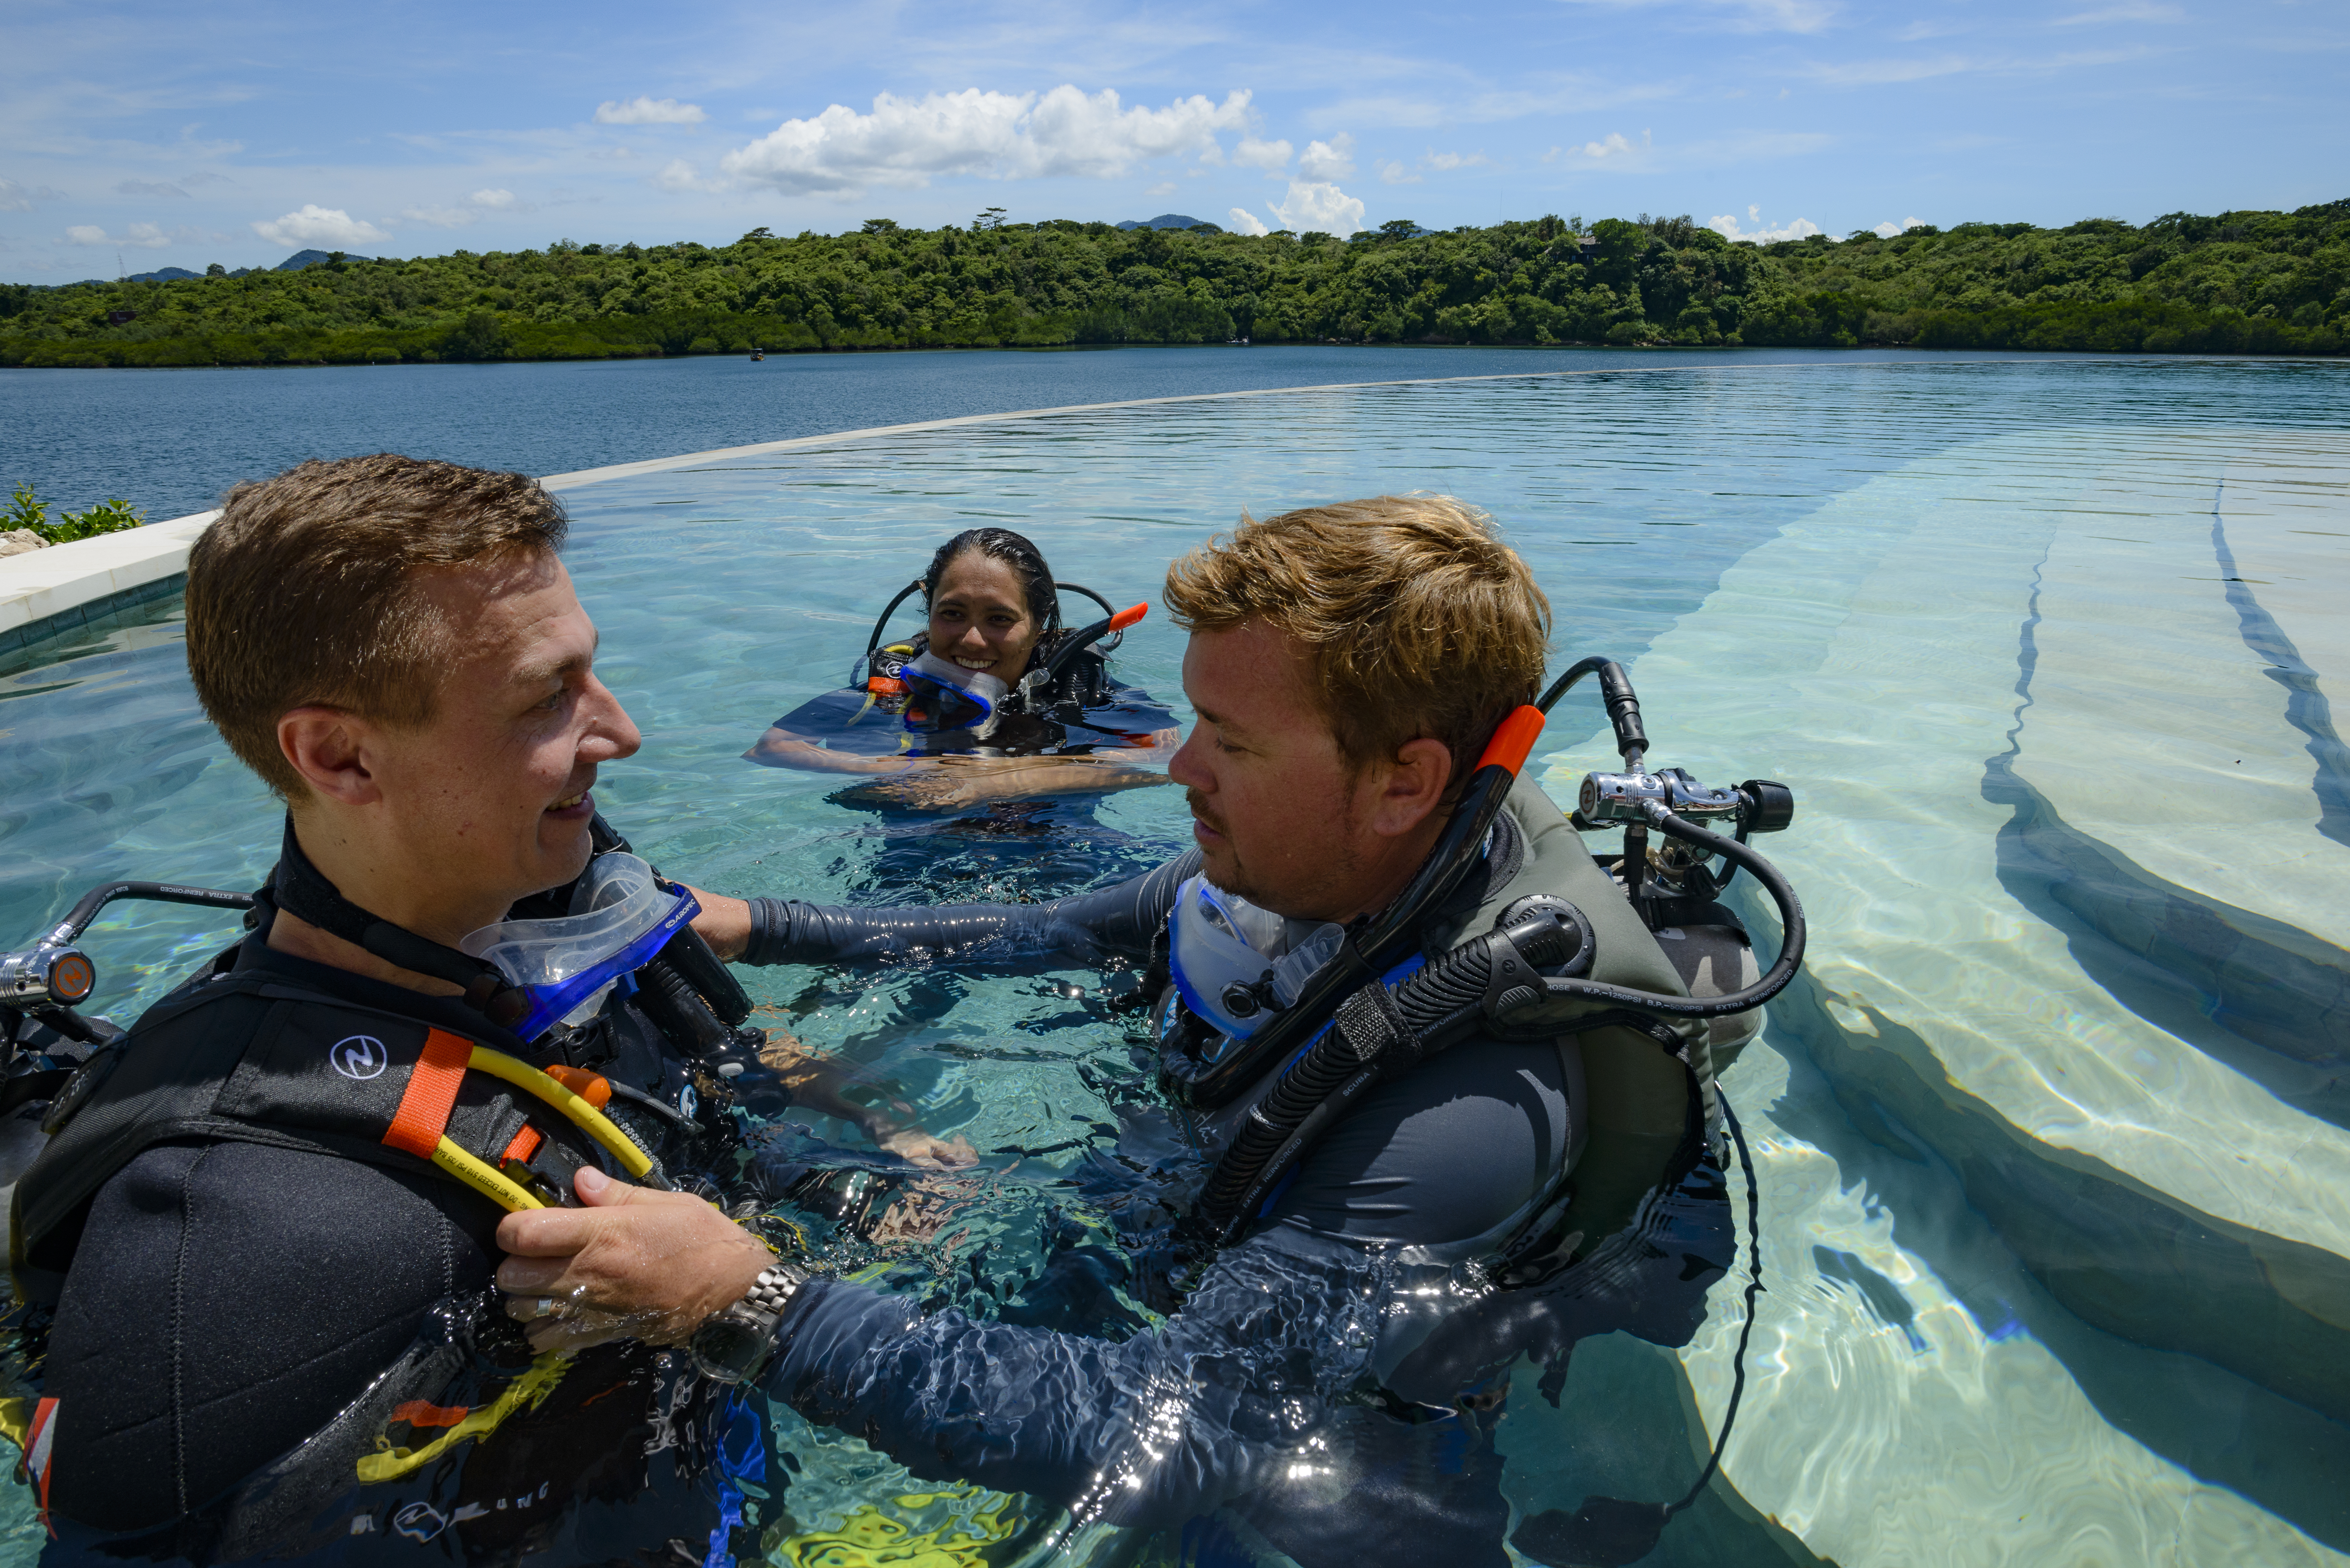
1378 1031
1774 980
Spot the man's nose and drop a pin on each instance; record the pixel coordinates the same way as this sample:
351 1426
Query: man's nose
612 734
1185 766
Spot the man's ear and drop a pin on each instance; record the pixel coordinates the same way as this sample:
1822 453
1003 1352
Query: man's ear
1414 786
328 747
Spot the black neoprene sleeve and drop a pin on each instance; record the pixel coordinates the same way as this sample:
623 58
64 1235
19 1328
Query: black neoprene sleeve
1116 920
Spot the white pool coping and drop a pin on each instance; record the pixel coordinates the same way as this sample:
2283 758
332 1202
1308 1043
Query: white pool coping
93 576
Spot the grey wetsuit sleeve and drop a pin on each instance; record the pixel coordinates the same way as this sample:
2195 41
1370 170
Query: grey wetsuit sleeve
1113 920
1168 1424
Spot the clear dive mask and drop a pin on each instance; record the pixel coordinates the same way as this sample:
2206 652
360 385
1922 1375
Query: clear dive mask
1233 963
620 917
942 695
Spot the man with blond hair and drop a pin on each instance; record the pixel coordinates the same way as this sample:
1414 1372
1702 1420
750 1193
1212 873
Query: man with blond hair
1349 665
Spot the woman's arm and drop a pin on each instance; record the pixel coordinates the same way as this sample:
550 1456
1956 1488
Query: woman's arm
780 748
953 782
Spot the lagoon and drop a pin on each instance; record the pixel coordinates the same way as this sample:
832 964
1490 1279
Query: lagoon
172 442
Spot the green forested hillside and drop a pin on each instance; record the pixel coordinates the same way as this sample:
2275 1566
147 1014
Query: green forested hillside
2237 282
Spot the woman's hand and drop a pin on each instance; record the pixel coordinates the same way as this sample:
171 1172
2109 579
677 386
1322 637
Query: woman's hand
635 1263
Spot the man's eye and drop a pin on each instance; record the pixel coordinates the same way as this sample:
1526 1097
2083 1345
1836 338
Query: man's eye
551 704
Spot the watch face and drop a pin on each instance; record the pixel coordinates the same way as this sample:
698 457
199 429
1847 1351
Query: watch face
726 1348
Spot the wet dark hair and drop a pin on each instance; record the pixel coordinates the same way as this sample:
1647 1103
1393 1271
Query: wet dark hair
1014 551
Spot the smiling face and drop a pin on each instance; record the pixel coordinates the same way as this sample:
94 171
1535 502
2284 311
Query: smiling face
979 619
441 825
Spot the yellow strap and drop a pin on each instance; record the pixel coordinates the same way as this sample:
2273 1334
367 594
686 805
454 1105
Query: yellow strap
582 1115
481 1177
388 1463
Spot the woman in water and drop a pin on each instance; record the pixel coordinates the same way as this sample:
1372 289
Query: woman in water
944 721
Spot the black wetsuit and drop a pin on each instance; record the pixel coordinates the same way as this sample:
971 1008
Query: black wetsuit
1089 709
228 1298
1296 1384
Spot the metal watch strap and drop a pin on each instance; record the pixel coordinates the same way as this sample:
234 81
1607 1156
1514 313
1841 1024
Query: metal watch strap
773 1291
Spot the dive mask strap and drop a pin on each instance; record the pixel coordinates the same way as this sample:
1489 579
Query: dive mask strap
300 889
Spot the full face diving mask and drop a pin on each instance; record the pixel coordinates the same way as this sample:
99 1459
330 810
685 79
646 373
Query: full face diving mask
942 695
1230 962
620 917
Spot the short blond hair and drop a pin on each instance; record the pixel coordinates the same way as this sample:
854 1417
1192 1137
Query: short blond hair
307 590
1416 620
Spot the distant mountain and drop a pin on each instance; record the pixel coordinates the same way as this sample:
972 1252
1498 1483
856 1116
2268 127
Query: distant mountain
1166 221
301 259
168 274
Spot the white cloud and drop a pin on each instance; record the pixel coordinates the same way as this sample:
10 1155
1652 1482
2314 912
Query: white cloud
498 200
649 111
317 225
440 217
907 143
1318 206
1164 188
145 236
1448 161
1889 229
1272 157
679 175
1616 144
1394 173
1331 160
149 188
1247 222
15 198
1763 234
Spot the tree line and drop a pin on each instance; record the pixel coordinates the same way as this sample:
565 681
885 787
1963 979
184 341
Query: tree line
2249 282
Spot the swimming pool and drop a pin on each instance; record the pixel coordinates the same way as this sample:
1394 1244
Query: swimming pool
2052 1133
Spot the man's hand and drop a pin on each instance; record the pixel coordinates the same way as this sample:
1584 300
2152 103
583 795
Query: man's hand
928 1149
636 1264
724 923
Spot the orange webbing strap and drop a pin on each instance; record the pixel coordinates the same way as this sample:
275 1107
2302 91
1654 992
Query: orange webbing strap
418 1128
431 1095
1512 740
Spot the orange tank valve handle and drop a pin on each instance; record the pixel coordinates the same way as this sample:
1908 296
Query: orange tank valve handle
1514 740
884 686
591 1087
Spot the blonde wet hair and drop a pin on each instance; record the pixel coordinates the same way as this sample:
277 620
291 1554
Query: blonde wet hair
1414 618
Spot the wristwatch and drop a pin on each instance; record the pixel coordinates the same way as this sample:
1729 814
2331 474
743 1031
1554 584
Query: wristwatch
733 1345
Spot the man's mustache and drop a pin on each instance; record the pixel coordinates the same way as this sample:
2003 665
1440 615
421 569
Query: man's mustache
1198 804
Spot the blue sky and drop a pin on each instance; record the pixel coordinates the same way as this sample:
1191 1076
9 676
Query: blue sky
146 136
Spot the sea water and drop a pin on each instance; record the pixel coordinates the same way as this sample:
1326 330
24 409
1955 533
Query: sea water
2054 1182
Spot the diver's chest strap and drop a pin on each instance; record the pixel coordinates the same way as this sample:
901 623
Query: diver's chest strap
253 1059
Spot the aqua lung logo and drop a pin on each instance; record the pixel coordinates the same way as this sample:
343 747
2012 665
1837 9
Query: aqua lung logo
363 1056
419 1521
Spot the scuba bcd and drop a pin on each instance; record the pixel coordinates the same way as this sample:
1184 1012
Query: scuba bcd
1372 1010
517 1152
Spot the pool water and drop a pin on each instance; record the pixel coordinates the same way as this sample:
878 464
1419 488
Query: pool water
2054 1134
